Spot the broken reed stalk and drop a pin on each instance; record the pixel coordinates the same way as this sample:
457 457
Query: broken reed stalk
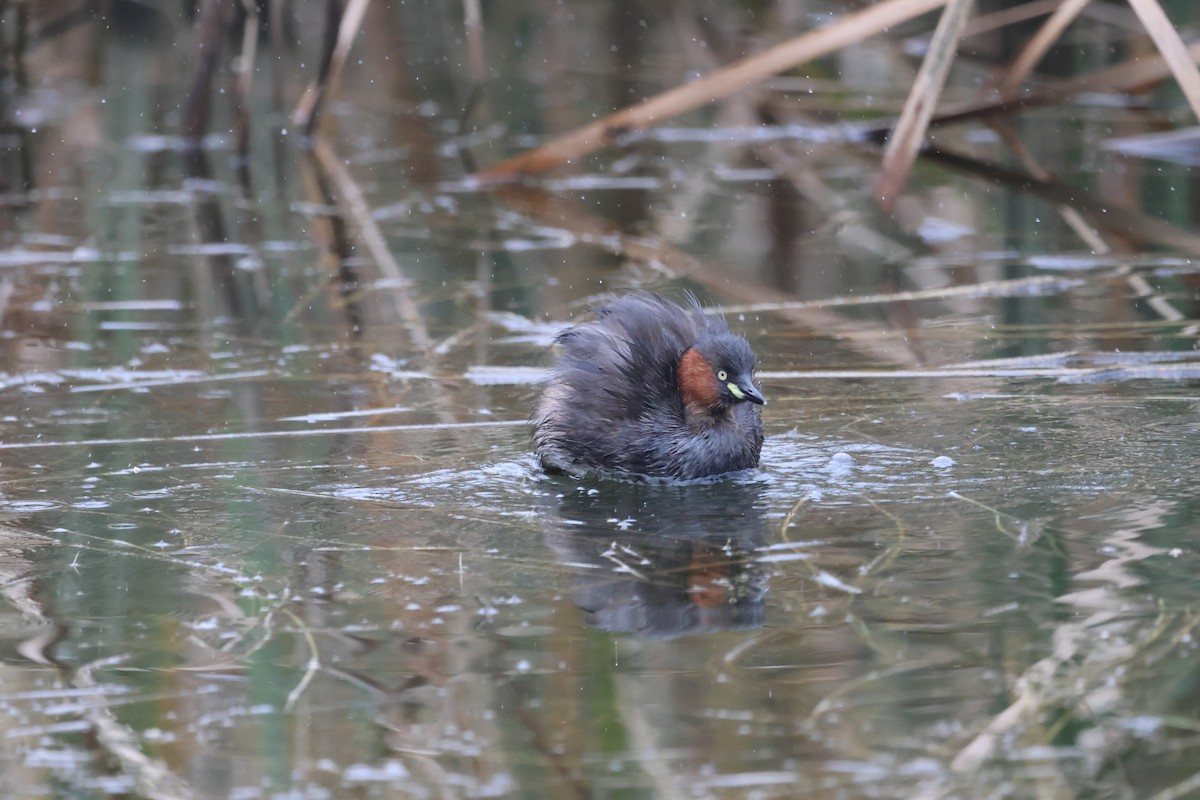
245 75
473 25
317 93
152 778
1127 76
591 230
1074 220
359 213
1117 220
1175 59
906 138
275 23
1009 16
329 231
1037 46
847 30
20 40
1172 48
308 109
210 31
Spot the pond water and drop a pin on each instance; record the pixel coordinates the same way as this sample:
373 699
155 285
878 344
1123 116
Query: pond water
272 527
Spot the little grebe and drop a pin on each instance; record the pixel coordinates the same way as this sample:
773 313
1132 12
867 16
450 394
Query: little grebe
649 388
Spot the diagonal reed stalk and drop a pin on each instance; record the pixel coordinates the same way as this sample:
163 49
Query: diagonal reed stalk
847 30
1041 42
909 133
1172 48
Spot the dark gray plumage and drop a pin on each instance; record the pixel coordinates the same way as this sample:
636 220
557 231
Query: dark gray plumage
649 388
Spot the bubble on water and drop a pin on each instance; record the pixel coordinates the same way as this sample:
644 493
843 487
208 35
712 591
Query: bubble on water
840 465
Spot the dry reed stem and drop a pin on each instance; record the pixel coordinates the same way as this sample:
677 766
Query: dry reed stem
1009 16
197 107
852 229
275 23
359 212
1037 46
317 94
244 78
1075 221
1114 219
1173 50
245 70
906 137
151 776
590 230
1008 287
7 287
330 232
311 667
473 26
847 30
1127 76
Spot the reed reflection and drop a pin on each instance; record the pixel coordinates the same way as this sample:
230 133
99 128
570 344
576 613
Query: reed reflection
662 560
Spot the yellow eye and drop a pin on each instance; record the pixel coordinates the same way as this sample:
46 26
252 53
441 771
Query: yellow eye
722 375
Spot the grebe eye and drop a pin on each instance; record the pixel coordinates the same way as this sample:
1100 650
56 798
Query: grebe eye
722 375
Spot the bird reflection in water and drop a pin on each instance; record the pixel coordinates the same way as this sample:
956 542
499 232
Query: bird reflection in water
662 560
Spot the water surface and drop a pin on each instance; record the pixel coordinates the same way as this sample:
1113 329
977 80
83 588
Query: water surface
271 523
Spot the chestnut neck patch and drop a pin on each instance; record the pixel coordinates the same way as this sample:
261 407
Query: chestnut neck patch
697 384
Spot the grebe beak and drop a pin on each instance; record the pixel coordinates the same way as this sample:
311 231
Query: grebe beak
744 389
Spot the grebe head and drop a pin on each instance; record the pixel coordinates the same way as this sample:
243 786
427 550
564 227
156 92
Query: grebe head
717 373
